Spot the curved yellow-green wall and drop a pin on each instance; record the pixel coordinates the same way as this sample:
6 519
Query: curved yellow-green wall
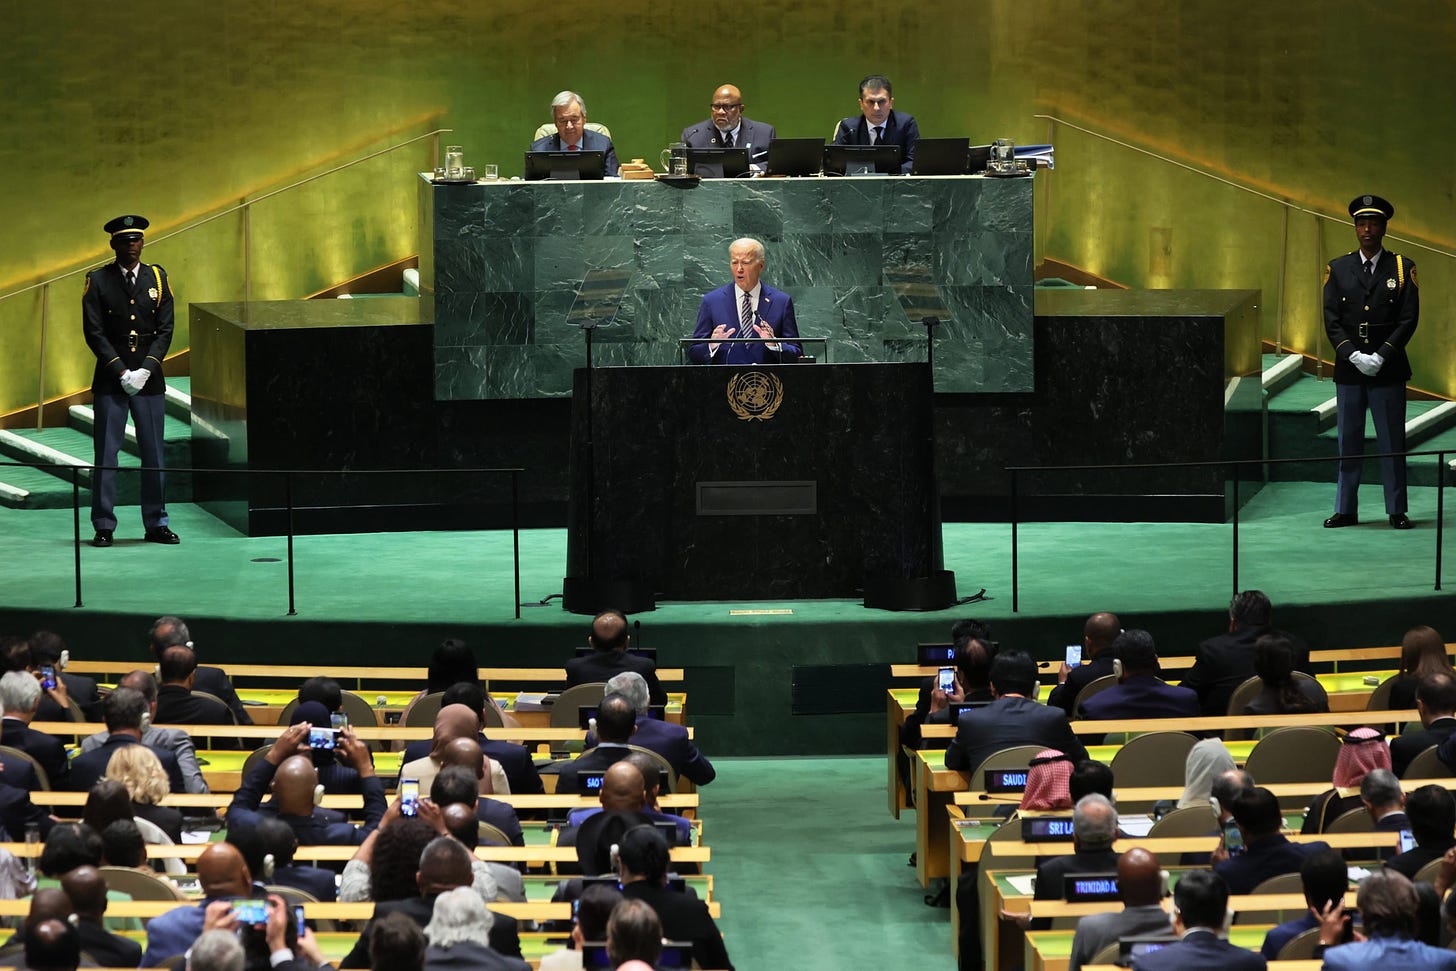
176 110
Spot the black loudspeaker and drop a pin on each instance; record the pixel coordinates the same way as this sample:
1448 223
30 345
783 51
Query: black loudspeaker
936 591
586 595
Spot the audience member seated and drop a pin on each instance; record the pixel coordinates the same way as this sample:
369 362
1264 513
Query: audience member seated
462 783
20 694
1014 718
1282 693
16 808
279 842
454 722
136 768
48 650
173 740
623 794
383 868
642 862
127 715
1381 795
123 845
86 888
1436 704
1432 814
459 936
178 705
1207 760
1267 851
48 903
1224 662
1089 776
616 724
500 882
1422 654
52 945
634 933
1098 633
652 783
222 875
107 802
1363 750
667 739
1200 918
1139 692
443 865
1140 887
593 911
293 779
971 642
397 944
336 776
453 663
609 638
169 631
1388 906
1094 829
514 760
1048 779
1325 877
217 950
1226 787
325 691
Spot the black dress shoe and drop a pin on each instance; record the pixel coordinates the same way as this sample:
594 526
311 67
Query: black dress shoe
1399 521
103 539
1342 519
162 535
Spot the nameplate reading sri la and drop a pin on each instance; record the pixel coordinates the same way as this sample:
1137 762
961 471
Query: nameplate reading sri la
754 395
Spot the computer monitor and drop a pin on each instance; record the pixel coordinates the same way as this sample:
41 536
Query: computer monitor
883 159
718 163
977 159
941 156
565 166
795 156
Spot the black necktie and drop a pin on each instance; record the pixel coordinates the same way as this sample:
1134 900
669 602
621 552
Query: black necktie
130 278
727 139
879 135
1369 272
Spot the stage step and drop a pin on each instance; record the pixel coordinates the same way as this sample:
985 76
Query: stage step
174 432
1281 372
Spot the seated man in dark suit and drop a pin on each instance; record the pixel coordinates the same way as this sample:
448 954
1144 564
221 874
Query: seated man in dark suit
1227 661
87 889
174 740
1140 692
177 704
1094 830
642 863
1381 795
1267 853
879 123
970 641
279 841
1200 917
1436 704
168 631
48 650
568 111
623 793
666 738
1324 876
444 865
17 782
514 760
294 778
727 128
609 638
127 716
1391 909
616 722
336 776
1098 634
1432 815
1013 719
458 772
20 696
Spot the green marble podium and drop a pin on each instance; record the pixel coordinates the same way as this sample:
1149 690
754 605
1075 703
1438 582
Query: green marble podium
516 267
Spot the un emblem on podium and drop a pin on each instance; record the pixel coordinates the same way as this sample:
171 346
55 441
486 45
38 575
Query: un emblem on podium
755 395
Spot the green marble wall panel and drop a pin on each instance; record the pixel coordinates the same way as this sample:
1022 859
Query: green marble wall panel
864 259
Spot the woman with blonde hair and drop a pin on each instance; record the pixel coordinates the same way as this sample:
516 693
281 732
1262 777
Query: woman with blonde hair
138 769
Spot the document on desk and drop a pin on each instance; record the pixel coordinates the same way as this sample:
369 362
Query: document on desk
1025 884
1135 825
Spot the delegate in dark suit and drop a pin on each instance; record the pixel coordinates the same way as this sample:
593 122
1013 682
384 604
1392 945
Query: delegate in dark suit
899 129
467 956
723 307
514 760
599 759
1051 874
671 741
1405 747
1371 313
315 830
1224 662
1005 723
16 810
590 142
1264 858
89 767
1142 696
505 937
81 690
752 135
603 666
1064 695
215 682
684 918
176 705
47 751
1200 950
310 879
106 949
128 327
1388 952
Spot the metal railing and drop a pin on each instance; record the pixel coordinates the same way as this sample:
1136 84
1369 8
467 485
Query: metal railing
244 206
1017 470
74 472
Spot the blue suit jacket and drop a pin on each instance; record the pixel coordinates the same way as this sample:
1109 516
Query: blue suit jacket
1389 952
752 134
320 829
1264 859
1007 723
672 743
89 767
1142 696
590 142
722 306
1201 951
900 129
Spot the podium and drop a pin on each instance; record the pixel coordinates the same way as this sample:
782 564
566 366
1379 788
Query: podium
771 482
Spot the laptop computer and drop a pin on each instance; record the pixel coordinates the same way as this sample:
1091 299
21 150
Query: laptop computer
977 159
941 156
795 156
881 159
718 163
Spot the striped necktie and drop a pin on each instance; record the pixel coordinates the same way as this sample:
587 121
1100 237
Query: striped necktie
746 327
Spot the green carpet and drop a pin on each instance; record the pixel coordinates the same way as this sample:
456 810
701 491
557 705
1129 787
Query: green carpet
811 868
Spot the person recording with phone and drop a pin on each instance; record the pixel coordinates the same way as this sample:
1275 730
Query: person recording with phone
334 773
1267 851
746 308
297 792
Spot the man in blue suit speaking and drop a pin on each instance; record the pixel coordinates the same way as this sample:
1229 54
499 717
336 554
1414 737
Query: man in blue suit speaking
569 113
746 308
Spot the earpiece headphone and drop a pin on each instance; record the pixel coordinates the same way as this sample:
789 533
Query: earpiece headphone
146 721
318 795
64 659
268 866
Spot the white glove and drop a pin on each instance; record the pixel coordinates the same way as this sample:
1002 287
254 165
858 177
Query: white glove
126 383
134 381
1376 360
1362 363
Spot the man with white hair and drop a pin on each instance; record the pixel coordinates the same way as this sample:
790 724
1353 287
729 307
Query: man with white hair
459 936
174 740
568 111
217 950
667 739
20 697
746 308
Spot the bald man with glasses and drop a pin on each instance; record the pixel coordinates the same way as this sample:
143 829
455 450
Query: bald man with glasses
727 128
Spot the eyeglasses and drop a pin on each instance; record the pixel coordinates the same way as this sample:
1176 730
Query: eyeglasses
726 107
876 102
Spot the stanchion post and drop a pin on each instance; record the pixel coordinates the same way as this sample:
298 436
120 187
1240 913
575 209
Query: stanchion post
1440 510
1015 585
1236 533
76 523
516 537
288 498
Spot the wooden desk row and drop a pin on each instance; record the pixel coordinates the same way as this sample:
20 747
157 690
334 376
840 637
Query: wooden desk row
496 854
220 800
302 672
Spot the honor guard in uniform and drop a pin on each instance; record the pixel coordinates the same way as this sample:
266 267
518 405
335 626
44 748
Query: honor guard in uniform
126 307
1372 306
